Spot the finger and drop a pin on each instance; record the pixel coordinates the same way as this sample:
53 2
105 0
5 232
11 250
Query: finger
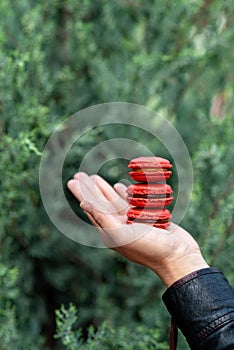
73 187
94 189
121 218
105 237
92 220
82 193
118 233
121 190
104 220
84 189
110 194
86 180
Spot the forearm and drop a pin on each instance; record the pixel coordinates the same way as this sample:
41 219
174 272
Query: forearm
202 306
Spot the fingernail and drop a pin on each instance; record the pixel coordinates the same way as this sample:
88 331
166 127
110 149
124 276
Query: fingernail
86 206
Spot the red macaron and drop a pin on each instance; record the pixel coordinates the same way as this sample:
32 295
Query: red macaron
149 195
150 169
155 217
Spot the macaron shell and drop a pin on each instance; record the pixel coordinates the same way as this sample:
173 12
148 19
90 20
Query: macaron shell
149 203
160 217
149 162
150 176
149 214
158 225
145 189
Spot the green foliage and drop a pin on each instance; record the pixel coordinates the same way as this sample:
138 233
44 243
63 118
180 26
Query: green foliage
14 316
214 182
65 320
105 337
58 57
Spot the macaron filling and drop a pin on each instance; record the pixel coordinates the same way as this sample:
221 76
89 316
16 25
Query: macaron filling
144 170
149 196
149 221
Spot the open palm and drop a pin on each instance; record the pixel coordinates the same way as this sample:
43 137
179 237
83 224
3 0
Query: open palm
171 253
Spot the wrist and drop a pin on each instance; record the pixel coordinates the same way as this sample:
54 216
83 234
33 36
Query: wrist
172 271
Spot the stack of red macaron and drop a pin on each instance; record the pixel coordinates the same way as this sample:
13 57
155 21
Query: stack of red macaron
151 194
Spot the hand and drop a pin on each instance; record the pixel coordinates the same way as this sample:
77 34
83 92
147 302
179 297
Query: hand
171 253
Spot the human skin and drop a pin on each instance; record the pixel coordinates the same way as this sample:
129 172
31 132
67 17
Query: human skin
171 253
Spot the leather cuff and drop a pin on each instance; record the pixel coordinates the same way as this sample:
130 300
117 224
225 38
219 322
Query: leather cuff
200 303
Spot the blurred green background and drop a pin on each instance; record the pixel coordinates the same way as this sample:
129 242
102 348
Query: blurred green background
57 57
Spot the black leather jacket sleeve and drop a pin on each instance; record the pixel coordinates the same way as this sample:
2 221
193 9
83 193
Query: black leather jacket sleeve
202 306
